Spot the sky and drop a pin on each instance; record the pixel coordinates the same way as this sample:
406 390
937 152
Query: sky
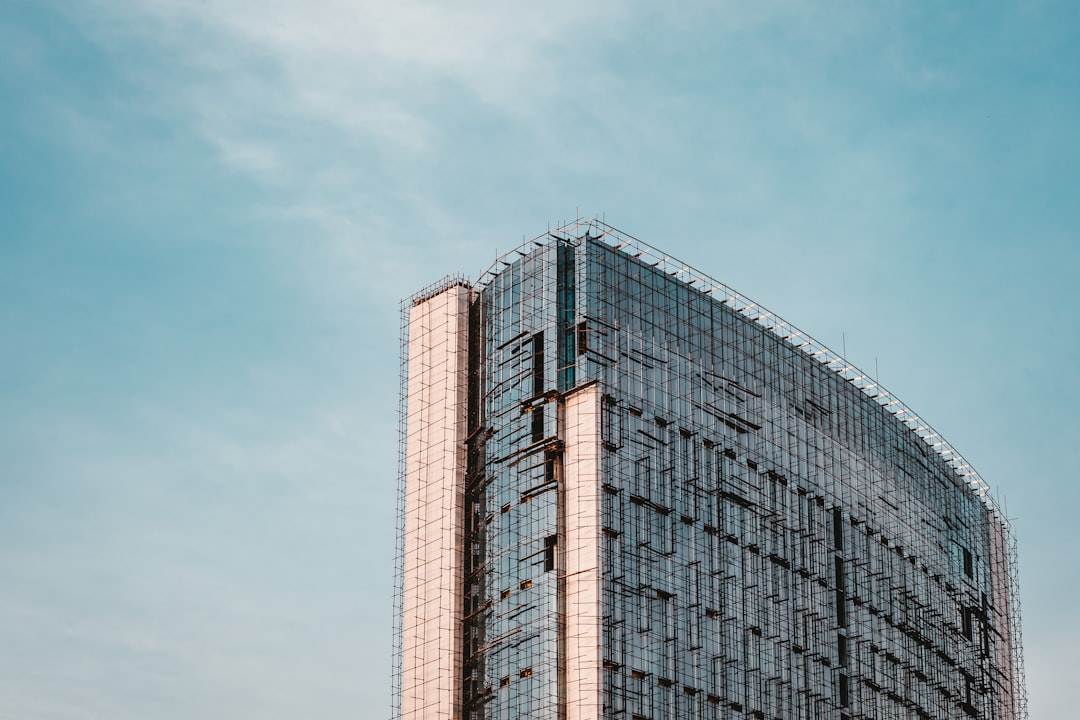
211 210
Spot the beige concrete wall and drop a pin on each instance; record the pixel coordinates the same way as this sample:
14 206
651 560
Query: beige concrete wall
434 507
581 465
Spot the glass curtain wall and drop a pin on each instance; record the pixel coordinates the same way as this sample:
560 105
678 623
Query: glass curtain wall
775 543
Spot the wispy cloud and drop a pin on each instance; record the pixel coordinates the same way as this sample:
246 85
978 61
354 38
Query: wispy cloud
324 106
367 70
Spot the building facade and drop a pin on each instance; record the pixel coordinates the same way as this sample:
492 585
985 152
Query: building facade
629 493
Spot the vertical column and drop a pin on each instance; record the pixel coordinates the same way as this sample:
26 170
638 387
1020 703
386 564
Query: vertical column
1004 651
434 506
582 556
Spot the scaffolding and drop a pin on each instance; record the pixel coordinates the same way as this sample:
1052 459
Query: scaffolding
776 535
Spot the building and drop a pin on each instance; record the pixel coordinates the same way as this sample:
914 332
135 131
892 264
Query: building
630 493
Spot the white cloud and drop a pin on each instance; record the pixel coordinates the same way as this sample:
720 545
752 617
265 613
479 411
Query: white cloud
342 113
371 68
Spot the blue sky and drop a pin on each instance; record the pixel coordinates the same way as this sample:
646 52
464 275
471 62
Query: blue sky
209 212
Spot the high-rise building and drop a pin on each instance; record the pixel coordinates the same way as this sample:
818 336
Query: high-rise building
629 493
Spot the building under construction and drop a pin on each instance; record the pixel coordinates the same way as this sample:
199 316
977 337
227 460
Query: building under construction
629 493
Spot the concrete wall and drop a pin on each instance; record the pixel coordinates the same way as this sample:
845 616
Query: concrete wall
434 512
581 465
